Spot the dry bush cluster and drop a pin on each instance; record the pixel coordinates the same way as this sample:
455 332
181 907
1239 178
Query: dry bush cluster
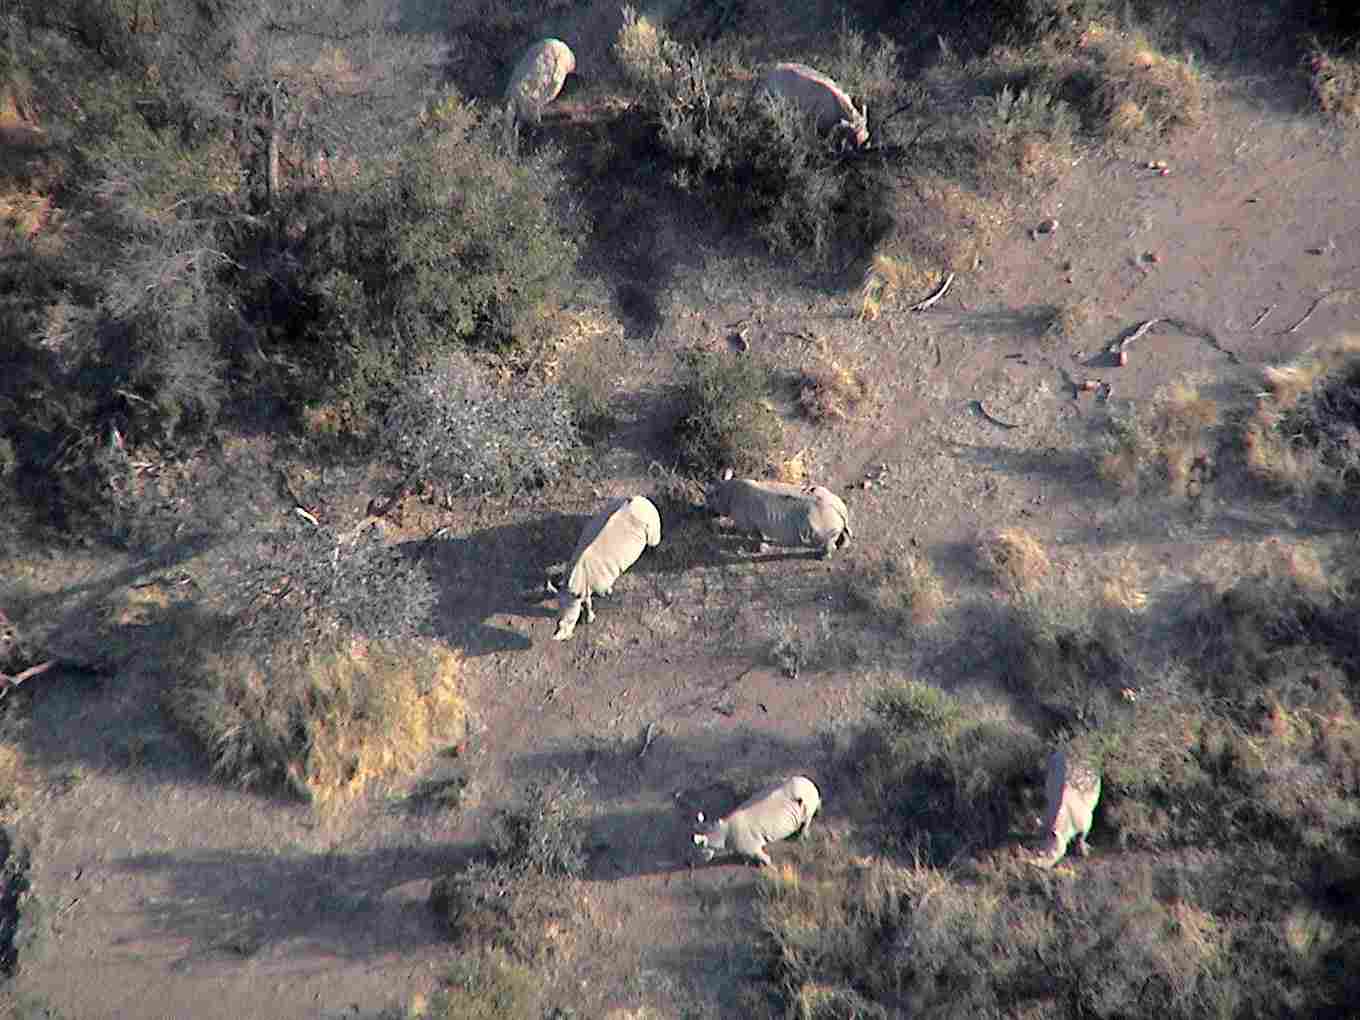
760 162
1169 443
321 679
1334 79
1239 759
1304 434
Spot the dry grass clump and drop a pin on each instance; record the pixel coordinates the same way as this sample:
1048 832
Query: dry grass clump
1171 439
1120 585
885 279
1141 90
1335 84
1014 557
1304 436
901 587
830 390
326 722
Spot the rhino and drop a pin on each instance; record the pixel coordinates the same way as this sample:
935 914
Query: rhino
537 79
783 514
1072 790
773 814
609 545
818 96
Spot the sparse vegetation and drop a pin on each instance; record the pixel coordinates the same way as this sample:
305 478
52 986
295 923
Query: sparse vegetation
726 419
519 899
902 588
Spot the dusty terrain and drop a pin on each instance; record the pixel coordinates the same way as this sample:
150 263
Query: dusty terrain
159 892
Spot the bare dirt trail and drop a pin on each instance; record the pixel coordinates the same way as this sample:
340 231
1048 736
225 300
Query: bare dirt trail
165 894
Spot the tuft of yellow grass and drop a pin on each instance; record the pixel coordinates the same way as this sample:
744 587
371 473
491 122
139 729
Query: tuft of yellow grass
830 390
1121 586
1014 557
1335 84
886 278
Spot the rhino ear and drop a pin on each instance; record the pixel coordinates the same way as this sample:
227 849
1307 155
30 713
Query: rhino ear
700 817
727 475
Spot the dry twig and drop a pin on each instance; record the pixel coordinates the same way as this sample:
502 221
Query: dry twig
921 306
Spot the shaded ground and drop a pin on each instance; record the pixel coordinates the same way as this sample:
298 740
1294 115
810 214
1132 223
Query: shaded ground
159 886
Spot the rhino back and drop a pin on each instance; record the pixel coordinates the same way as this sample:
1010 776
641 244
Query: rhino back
775 813
812 91
610 544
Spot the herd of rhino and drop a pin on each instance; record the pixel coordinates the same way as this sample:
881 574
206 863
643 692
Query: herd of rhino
538 77
778 513
788 515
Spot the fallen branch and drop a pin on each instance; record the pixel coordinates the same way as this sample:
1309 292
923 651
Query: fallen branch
647 738
7 682
1308 314
1119 345
921 306
995 421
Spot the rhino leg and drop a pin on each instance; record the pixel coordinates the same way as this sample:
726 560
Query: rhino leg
590 609
762 858
1081 845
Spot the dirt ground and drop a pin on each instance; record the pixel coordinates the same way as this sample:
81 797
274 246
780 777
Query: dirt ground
159 892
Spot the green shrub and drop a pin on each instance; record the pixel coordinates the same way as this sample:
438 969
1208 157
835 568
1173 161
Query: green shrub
726 420
484 985
941 775
448 244
761 161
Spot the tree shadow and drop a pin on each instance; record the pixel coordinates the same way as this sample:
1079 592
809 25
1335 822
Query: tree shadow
233 905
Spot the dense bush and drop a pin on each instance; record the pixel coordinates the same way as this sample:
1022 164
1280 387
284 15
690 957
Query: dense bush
448 244
725 417
322 678
761 160
941 776
451 426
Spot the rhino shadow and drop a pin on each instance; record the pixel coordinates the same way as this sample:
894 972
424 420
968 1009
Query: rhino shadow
490 578
649 801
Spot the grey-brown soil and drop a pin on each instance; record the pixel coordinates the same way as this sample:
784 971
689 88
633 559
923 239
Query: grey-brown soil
158 891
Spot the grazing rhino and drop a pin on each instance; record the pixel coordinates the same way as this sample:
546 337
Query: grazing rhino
820 97
771 815
783 514
1072 790
609 545
537 79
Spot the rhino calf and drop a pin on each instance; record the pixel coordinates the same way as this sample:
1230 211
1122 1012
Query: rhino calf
818 96
783 514
538 77
771 815
609 545
1072 790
